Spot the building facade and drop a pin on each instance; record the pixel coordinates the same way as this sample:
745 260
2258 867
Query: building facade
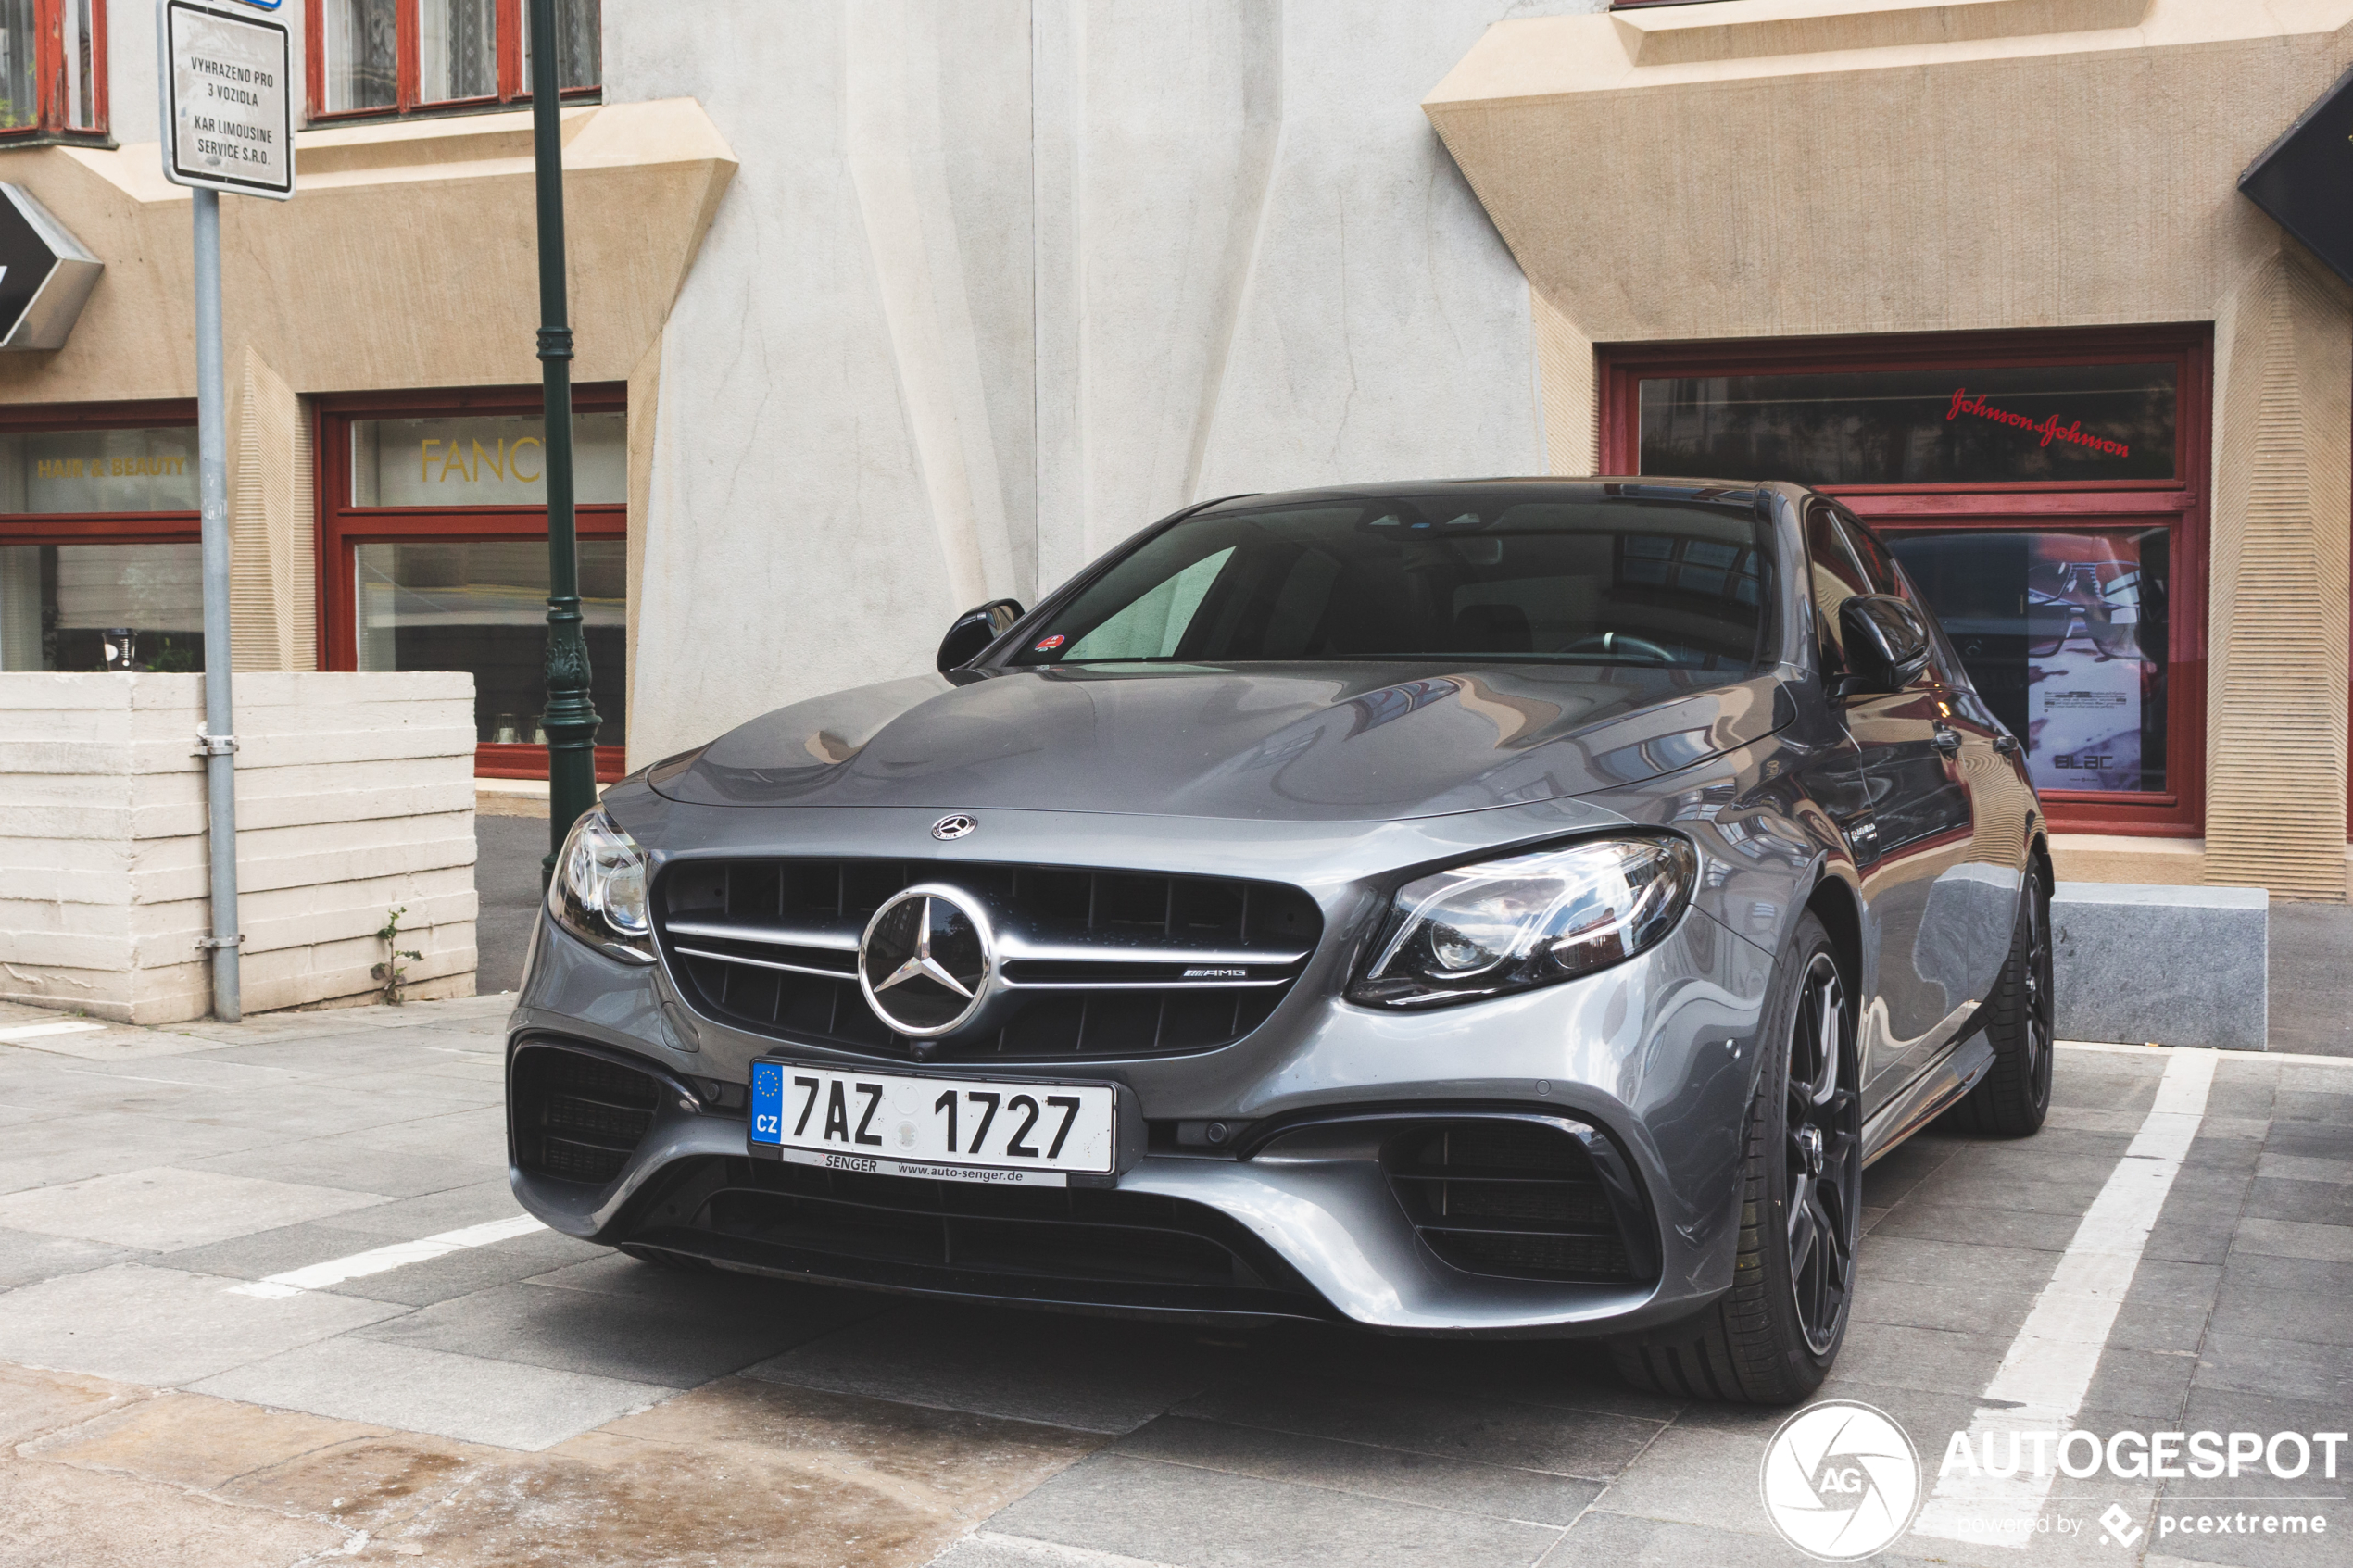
886 308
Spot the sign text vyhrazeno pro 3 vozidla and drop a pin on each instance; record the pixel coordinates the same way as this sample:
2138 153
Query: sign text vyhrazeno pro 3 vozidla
228 109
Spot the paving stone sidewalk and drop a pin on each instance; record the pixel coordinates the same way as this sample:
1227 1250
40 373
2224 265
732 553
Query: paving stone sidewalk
536 1400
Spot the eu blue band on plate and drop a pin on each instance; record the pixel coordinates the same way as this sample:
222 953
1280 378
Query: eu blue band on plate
767 1103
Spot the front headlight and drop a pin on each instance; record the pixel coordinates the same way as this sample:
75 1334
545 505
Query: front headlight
599 891
1531 919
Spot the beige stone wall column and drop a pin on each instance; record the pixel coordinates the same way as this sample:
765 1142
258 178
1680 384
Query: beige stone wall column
644 389
273 601
1569 383
2277 621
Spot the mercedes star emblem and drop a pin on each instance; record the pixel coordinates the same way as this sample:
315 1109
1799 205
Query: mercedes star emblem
956 826
926 960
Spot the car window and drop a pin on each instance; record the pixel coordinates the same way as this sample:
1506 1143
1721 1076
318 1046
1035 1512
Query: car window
1836 575
1155 623
1494 575
1885 574
1879 566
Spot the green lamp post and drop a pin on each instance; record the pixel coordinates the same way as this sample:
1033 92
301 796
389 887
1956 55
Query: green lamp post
571 718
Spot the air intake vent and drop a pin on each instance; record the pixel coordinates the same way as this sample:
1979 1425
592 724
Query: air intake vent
1096 963
1069 1245
578 1118
1516 1198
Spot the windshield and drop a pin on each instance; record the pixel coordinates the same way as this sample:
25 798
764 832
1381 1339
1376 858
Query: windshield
1490 575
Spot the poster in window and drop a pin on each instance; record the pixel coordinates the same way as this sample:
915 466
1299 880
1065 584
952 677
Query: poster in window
2084 676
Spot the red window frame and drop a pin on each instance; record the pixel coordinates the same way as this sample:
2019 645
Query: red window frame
2184 501
49 66
409 73
344 527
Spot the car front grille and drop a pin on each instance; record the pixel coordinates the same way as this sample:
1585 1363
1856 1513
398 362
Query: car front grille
1518 1199
1074 1246
577 1117
1097 963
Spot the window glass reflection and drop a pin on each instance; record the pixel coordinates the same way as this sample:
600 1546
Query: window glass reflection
579 44
2065 636
20 64
481 606
100 471
360 50
2029 424
102 607
457 50
81 64
498 460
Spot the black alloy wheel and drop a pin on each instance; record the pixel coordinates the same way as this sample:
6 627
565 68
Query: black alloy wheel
2041 1034
2014 1094
1822 1147
1770 1339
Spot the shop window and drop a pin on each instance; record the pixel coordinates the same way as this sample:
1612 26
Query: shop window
481 606
2045 494
436 557
2066 635
2028 424
483 460
393 56
100 568
53 67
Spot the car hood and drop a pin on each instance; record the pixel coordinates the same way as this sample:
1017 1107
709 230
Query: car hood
1319 742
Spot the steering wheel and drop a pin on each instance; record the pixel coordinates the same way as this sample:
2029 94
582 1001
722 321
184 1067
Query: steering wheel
1619 645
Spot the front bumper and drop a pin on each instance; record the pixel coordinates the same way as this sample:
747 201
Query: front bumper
1659 1054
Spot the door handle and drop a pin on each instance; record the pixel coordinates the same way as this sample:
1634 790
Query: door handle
1948 742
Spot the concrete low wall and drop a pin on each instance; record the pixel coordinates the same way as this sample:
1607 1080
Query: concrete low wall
354 795
2172 966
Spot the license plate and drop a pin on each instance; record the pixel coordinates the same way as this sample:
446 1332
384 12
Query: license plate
948 1129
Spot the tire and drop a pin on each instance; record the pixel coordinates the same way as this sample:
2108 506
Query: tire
1771 1338
2014 1094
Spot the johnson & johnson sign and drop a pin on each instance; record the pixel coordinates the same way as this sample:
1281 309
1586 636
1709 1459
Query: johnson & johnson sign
2049 429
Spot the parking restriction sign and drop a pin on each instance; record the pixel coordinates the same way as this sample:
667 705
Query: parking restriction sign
228 99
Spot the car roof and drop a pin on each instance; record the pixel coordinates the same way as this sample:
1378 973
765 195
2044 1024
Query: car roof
1632 487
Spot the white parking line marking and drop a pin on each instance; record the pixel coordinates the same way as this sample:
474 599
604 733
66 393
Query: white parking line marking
2042 1380
1031 1549
135 1078
400 1254
2291 1059
41 1031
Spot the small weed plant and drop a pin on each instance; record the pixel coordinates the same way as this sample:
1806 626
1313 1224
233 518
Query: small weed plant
391 971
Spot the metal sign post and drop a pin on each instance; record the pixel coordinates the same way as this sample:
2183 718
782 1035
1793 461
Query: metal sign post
228 125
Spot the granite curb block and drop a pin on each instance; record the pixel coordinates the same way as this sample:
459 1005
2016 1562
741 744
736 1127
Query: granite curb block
2180 966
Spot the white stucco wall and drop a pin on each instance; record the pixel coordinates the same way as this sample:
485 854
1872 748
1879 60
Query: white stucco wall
998 284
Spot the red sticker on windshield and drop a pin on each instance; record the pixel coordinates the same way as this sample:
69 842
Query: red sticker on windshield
1049 644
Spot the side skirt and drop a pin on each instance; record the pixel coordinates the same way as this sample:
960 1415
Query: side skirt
1927 1096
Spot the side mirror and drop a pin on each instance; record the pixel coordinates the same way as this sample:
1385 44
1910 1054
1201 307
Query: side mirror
974 630
1886 645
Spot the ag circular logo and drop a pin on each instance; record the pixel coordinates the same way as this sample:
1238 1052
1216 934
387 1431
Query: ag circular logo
926 960
1839 1480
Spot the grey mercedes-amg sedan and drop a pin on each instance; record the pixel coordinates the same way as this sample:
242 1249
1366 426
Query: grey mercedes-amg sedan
1505 908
